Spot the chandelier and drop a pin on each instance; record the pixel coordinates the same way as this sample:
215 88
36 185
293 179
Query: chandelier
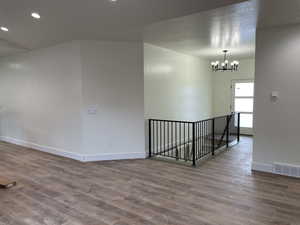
225 65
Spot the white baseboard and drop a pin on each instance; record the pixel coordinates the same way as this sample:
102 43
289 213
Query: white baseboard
116 156
263 167
72 155
288 170
43 148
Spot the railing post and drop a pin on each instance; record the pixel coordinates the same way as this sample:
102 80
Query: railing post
150 139
227 131
213 137
194 144
239 127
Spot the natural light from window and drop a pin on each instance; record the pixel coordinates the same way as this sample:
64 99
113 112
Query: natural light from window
243 102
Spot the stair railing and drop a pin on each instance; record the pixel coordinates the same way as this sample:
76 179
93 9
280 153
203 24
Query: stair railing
191 141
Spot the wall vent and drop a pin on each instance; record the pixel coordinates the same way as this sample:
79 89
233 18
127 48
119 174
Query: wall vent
287 169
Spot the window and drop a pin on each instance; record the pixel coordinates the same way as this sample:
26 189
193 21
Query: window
243 100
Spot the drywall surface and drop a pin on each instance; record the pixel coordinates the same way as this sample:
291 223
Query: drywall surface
113 86
277 121
40 99
177 86
83 100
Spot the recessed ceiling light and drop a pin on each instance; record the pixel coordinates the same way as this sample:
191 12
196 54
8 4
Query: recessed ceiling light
35 15
113 0
4 29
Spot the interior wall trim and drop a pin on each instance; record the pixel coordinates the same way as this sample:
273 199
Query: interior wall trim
72 155
263 167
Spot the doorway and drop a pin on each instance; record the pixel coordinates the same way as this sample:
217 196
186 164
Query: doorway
242 102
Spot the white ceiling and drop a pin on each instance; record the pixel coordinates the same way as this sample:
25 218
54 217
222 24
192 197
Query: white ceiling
221 24
206 34
232 27
65 20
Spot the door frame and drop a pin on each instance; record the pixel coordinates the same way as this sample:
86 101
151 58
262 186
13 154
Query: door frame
243 130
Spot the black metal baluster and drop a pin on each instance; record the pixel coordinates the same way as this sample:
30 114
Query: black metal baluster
172 139
204 146
207 137
204 137
180 142
150 139
213 137
156 137
206 133
176 142
189 142
193 146
227 131
197 141
153 137
164 137
160 138
184 143
201 139
168 144
239 127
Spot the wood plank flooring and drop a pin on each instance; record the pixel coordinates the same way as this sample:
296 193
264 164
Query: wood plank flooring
223 191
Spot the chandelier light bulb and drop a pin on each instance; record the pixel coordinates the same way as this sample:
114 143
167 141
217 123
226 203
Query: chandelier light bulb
226 65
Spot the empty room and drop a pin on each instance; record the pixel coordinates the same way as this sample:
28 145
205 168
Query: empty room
149 112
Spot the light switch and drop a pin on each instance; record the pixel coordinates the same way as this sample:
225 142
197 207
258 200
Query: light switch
92 110
275 94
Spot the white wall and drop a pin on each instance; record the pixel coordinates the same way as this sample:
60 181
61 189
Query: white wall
113 83
277 123
177 86
222 82
45 96
182 87
40 98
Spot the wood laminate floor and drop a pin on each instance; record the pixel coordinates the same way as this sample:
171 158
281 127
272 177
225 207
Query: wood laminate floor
223 191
